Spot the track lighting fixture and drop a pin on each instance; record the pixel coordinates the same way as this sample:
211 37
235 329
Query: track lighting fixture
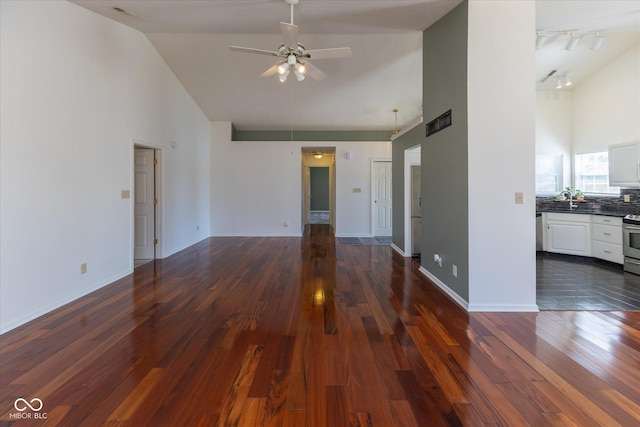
574 38
573 42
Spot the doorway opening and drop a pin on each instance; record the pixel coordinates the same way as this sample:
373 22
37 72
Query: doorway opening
412 202
318 185
146 204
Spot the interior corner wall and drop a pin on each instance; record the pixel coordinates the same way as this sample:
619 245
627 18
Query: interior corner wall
444 177
256 185
76 90
412 138
501 152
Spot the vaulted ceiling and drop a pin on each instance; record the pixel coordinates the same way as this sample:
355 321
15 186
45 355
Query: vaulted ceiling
360 93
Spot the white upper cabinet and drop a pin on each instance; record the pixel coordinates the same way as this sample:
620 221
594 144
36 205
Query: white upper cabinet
624 165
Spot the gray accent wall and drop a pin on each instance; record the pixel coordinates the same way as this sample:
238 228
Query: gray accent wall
405 141
309 135
444 165
445 206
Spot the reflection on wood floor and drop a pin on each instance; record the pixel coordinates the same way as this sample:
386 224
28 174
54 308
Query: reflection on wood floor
285 331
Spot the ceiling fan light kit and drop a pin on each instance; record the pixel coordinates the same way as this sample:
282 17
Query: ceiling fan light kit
294 54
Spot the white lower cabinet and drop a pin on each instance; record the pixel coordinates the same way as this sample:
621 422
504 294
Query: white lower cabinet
569 234
582 234
606 232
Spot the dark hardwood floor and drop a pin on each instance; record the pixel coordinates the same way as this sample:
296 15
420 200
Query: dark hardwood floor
306 331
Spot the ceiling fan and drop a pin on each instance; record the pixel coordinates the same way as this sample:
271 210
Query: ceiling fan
294 55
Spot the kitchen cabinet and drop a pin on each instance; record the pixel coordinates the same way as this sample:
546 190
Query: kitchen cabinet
624 165
606 234
568 233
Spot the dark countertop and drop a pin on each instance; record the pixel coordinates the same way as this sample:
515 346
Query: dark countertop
586 211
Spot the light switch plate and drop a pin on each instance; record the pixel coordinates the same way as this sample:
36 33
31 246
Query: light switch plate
519 198
126 194
357 190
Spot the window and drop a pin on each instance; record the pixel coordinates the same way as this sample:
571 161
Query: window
548 174
592 173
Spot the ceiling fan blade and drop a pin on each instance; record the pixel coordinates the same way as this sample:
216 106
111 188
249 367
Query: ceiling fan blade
314 71
290 35
252 50
271 71
337 52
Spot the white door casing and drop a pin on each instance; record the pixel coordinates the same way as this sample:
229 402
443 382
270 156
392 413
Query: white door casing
144 204
381 198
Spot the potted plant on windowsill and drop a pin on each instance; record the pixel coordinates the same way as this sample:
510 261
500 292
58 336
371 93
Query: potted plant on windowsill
579 195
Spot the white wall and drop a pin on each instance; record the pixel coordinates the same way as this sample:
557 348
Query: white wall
554 128
257 186
76 88
606 107
501 150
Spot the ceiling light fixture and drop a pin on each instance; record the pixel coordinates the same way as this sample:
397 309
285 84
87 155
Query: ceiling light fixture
540 39
317 154
563 81
573 42
395 127
597 43
575 36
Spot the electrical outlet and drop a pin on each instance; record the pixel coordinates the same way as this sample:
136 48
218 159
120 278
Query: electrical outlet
83 268
627 198
454 270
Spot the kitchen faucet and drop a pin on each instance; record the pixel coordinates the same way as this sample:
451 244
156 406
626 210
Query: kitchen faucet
569 194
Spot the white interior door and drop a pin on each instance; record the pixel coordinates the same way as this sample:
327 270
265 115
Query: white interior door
144 204
381 198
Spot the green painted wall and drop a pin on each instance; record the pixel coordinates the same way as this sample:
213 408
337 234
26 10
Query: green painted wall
444 166
319 186
444 155
311 135
415 136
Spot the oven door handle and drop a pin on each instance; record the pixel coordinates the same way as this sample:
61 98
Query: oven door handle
631 227
628 260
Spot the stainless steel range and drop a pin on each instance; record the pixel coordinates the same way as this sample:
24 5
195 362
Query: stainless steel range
631 243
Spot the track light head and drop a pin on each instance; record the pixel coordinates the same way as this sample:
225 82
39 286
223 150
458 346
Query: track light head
597 43
573 42
540 39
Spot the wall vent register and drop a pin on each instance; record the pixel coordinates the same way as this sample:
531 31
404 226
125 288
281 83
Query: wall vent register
436 125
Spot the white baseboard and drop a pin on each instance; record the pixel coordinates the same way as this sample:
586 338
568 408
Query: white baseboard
496 308
49 308
400 251
517 308
447 290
